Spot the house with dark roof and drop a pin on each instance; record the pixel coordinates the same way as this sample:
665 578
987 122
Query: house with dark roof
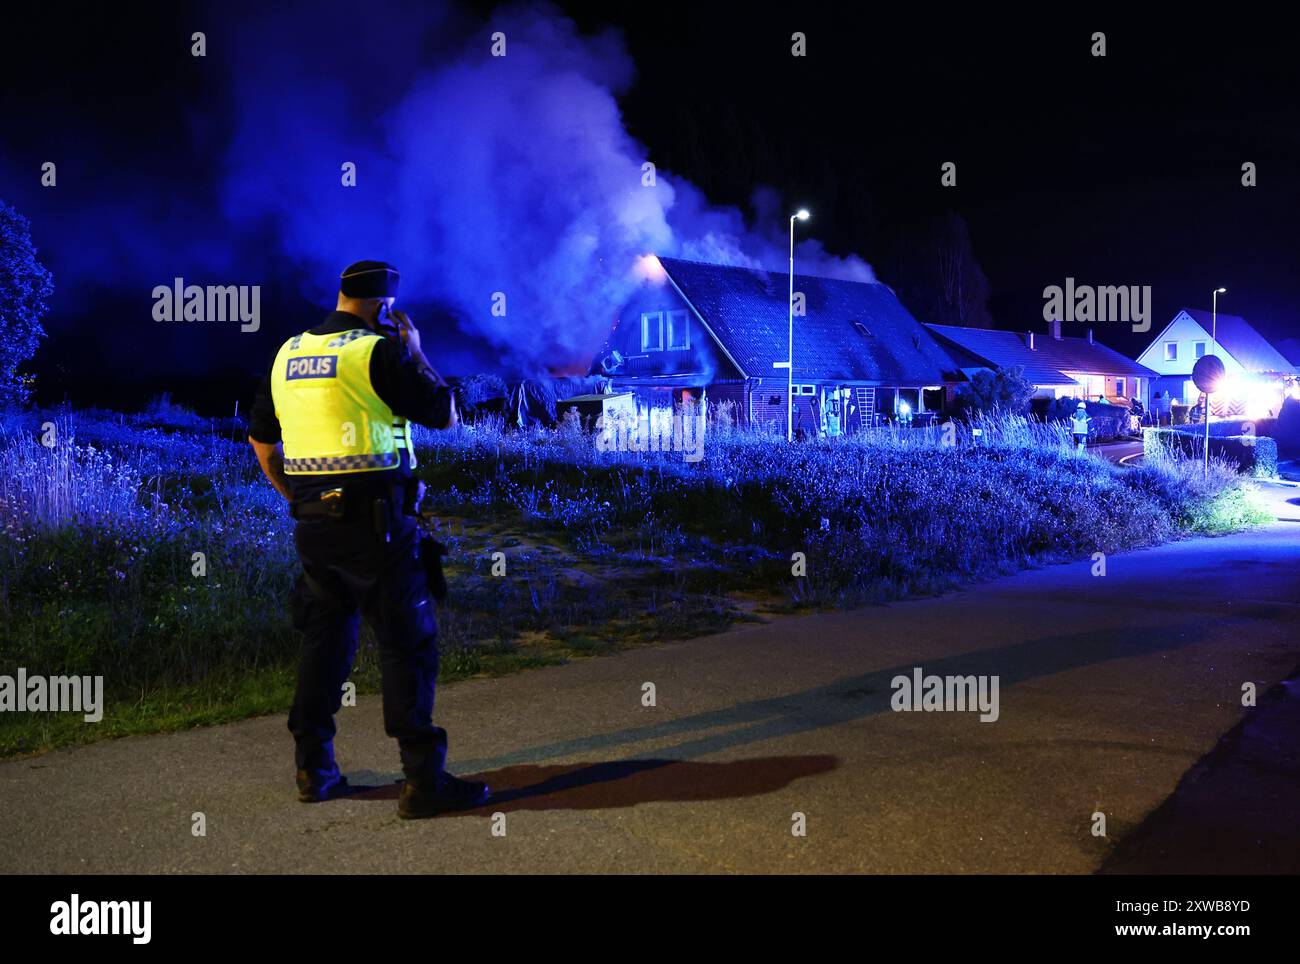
1057 366
1256 369
699 331
1290 350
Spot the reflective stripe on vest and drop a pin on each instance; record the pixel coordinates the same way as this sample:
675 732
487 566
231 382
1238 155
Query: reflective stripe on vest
331 419
343 463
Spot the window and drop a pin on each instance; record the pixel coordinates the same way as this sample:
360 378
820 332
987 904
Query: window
652 331
679 331
688 399
1199 348
1119 387
805 389
1171 351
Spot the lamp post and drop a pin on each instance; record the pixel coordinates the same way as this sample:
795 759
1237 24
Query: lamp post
1214 341
788 364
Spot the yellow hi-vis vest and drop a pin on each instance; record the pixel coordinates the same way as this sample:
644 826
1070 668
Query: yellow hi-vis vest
331 419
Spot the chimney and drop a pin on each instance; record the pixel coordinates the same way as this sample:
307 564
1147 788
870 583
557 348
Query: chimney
1089 336
1055 328
1029 337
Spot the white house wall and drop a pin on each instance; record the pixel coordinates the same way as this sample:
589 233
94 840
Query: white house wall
1184 331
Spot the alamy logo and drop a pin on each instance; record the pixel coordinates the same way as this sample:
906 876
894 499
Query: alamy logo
655 431
182 302
102 917
951 694
58 694
1129 303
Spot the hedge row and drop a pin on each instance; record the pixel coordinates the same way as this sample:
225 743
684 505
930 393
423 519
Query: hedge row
1252 454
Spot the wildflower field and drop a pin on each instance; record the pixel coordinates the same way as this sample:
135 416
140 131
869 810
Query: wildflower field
148 549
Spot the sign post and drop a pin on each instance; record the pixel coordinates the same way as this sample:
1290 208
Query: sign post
1207 373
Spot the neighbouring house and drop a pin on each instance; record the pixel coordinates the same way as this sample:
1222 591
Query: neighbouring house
697 332
1258 374
1290 350
1057 366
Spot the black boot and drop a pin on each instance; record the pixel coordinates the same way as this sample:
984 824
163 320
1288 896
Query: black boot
316 787
445 793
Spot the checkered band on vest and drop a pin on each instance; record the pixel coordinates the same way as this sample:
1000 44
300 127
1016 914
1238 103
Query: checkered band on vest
342 463
346 337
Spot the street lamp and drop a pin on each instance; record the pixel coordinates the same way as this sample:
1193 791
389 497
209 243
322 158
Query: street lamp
1214 341
1214 317
788 364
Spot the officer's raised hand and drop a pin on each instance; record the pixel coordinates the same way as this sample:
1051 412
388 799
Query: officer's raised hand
409 333
411 338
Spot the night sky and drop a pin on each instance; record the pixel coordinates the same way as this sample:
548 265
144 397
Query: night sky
1117 170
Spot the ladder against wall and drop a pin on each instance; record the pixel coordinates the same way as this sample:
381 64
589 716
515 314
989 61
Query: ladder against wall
866 400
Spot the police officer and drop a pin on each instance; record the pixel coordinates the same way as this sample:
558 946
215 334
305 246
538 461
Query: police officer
330 429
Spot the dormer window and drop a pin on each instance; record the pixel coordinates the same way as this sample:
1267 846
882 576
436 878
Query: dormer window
862 329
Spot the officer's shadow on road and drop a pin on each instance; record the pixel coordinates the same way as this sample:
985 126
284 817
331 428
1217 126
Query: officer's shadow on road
522 782
625 783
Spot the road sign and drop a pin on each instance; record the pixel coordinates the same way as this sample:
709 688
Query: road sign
1208 373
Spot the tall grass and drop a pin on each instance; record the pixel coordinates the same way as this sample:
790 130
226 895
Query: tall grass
880 513
98 552
99 533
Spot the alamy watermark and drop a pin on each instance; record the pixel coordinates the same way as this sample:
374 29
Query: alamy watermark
951 694
1127 303
58 694
181 302
656 430
133 918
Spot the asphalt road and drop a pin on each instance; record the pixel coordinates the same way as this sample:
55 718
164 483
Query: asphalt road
1117 451
1112 690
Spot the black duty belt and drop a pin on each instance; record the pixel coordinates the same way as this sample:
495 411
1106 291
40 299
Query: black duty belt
352 503
330 504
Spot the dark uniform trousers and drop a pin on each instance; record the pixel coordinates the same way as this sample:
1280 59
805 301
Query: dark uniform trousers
357 573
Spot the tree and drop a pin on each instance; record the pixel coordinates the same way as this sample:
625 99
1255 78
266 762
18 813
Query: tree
25 284
939 277
1003 390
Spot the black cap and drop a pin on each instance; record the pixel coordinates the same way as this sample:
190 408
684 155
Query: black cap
369 279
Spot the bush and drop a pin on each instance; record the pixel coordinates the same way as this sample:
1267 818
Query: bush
480 395
162 412
1215 503
1287 429
1002 390
1256 455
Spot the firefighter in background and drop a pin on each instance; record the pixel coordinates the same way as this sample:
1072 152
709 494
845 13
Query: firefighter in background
331 431
834 413
1081 420
1197 414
